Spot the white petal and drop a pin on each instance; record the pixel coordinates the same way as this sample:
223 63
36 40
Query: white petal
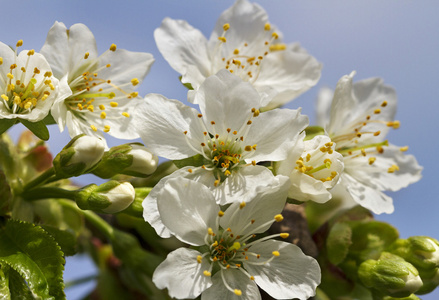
183 46
187 208
56 49
125 65
242 184
236 280
81 41
275 132
8 56
323 107
247 21
150 209
377 175
290 275
368 197
265 203
290 72
161 124
182 275
227 100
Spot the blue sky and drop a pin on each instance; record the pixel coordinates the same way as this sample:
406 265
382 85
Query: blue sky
395 40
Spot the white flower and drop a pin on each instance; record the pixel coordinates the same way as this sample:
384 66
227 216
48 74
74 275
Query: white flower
144 162
87 150
246 44
103 86
27 87
360 116
225 140
313 167
229 262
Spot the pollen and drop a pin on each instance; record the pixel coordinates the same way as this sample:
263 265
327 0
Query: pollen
220 213
236 51
275 253
103 115
393 168
93 128
207 273
371 160
267 27
242 205
199 259
19 43
135 81
284 235
404 149
226 26
384 104
113 47
106 128
125 114
237 292
222 39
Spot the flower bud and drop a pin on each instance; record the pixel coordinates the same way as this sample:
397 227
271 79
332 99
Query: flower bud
110 197
79 156
420 251
391 275
129 159
430 279
411 297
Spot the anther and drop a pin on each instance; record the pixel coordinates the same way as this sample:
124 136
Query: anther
284 235
278 218
377 133
19 43
242 205
207 273
404 149
125 114
220 213
237 292
377 111
384 104
226 26
267 27
371 160
86 55
275 253
113 47
135 81
222 39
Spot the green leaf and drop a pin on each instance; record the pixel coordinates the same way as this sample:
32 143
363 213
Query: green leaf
5 124
338 242
66 239
18 287
4 283
49 120
34 254
37 128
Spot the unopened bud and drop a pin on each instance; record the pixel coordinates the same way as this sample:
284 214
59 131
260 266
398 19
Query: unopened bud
430 279
129 159
110 197
411 297
420 251
391 275
79 156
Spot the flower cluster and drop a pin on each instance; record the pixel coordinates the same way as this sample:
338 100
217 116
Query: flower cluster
237 159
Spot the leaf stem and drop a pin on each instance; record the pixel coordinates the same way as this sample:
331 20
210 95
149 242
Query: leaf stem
78 281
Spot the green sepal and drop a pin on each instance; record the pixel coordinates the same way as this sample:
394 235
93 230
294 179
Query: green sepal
136 208
194 161
338 242
5 124
49 120
313 131
187 85
114 162
33 253
87 199
38 128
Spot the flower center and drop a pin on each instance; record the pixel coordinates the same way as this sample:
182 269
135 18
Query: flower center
94 96
225 152
227 250
318 165
245 61
24 88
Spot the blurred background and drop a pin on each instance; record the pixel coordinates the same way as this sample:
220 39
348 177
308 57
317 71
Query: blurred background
395 40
